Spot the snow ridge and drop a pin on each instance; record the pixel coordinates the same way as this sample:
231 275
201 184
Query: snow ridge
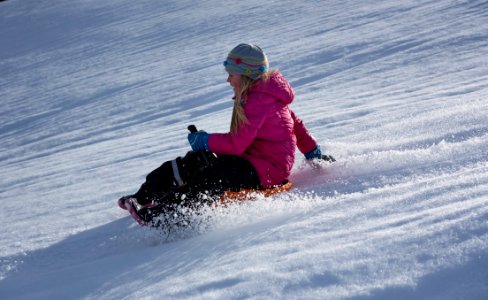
96 94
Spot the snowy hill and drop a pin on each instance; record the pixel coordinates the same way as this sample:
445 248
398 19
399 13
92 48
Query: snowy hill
95 94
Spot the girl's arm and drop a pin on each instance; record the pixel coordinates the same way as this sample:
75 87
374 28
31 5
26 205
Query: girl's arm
305 141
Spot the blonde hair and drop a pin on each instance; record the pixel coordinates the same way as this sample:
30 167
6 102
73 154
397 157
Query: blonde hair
238 115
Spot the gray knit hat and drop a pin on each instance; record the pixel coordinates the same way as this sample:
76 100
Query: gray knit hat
248 60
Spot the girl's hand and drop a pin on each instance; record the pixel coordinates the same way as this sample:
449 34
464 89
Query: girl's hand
198 141
317 154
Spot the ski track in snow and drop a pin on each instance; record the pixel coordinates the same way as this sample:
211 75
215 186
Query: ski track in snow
95 94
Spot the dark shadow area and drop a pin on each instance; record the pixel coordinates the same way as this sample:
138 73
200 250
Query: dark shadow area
80 264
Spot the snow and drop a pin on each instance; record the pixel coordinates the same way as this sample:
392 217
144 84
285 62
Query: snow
95 94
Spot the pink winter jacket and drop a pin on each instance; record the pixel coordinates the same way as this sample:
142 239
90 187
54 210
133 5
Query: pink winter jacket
272 132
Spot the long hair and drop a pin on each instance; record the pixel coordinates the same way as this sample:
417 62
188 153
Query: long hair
238 115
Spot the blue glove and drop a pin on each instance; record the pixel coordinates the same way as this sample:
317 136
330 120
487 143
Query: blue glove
198 141
316 153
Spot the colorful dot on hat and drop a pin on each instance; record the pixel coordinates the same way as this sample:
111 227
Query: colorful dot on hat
248 72
238 60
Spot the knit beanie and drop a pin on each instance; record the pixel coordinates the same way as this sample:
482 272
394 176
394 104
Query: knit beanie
248 60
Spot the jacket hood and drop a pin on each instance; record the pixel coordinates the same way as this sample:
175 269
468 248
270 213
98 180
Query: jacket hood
276 86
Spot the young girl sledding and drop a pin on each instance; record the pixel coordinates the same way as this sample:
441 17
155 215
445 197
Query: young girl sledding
258 153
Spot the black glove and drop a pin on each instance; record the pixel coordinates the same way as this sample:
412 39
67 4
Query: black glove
328 158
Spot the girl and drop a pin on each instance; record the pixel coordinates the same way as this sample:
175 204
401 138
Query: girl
257 153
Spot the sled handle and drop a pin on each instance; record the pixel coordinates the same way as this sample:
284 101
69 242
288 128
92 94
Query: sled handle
192 128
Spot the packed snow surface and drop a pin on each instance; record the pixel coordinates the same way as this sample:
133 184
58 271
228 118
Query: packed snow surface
96 94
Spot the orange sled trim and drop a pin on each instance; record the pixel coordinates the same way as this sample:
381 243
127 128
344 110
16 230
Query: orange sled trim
251 194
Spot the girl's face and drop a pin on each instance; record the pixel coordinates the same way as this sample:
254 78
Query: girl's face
235 81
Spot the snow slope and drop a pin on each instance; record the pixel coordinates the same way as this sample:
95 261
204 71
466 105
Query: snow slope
95 94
